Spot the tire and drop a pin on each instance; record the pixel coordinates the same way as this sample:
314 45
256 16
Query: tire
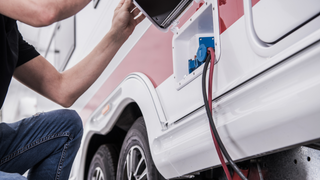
103 164
136 148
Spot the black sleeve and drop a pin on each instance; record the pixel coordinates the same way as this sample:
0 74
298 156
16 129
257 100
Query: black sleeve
26 52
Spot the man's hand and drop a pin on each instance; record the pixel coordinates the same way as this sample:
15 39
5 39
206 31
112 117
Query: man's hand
125 19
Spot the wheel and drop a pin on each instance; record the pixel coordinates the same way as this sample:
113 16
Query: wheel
135 162
103 164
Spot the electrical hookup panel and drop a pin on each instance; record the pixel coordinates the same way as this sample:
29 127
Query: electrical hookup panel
191 40
190 43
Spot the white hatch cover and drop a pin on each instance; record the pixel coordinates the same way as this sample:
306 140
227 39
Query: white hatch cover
273 19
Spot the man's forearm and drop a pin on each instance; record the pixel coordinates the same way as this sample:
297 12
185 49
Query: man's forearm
67 87
41 12
80 77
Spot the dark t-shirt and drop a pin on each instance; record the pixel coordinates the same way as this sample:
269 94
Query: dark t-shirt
14 51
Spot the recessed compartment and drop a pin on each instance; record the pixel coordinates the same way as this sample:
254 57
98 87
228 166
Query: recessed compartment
186 43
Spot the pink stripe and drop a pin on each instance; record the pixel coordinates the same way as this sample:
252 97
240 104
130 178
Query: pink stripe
230 11
152 55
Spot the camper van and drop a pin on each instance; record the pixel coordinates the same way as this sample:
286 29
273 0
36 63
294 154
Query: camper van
146 118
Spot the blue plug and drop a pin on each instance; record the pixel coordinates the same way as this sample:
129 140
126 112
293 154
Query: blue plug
204 43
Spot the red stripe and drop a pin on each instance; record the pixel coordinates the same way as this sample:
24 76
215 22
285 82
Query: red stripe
152 55
230 11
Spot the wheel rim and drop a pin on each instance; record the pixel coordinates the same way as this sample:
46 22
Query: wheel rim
98 174
135 165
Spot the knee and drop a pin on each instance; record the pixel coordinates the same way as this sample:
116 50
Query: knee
76 123
72 121
76 120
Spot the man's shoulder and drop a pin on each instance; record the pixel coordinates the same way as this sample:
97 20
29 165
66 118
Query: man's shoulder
5 19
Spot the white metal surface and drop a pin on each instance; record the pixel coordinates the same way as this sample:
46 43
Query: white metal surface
238 63
276 110
268 50
273 19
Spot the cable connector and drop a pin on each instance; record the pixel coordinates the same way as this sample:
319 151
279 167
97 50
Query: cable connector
204 43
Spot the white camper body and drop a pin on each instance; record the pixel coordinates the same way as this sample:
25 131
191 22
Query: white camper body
266 83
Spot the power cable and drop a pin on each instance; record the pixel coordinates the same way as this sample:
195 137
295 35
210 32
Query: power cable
212 125
223 163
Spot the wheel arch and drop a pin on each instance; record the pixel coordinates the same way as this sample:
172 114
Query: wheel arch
115 136
127 105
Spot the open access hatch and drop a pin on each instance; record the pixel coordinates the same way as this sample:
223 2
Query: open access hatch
162 13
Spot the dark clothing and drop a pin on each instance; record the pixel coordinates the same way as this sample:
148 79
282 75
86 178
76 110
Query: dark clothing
14 51
46 143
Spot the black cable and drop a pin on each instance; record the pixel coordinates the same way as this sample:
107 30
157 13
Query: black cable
213 127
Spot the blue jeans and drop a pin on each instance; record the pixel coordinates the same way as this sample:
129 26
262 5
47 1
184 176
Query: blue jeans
45 143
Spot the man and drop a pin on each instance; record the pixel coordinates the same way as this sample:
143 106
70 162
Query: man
47 143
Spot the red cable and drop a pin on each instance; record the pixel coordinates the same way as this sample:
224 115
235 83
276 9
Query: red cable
245 172
223 163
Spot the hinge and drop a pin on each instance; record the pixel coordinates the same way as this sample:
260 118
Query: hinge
174 27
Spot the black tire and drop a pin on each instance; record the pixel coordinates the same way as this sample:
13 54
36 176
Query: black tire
136 146
104 163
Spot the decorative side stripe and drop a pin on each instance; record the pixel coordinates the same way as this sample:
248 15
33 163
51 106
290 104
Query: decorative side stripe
152 55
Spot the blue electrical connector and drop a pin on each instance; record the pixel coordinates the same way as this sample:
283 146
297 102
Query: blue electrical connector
204 43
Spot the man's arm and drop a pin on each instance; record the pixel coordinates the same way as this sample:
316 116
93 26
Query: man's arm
65 88
41 12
